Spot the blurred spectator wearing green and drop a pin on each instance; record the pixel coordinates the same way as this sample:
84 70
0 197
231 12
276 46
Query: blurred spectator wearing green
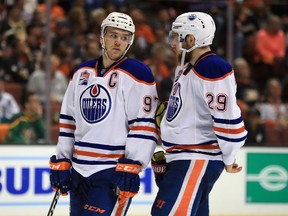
28 125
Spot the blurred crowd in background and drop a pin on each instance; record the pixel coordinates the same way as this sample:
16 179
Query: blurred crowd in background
260 57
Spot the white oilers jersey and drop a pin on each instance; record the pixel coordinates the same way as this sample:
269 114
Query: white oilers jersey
203 120
107 115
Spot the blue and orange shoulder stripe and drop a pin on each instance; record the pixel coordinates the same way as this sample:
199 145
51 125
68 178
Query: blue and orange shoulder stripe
136 70
211 67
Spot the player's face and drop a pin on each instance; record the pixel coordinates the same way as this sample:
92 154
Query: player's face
174 43
116 42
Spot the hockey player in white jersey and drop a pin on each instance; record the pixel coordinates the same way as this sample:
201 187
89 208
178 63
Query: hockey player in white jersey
202 128
107 126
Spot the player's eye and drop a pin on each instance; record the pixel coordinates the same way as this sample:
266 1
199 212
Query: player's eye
125 38
113 36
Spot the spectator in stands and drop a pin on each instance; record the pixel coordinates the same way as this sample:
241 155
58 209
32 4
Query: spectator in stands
35 38
17 61
95 19
77 19
219 38
245 28
88 5
167 83
144 35
91 49
163 20
261 12
8 105
285 87
160 35
28 125
66 46
160 53
2 10
39 16
247 90
256 129
270 51
29 7
14 22
273 111
38 82
57 12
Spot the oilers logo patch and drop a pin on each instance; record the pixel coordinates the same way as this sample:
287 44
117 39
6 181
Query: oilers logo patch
192 17
84 78
95 103
175 102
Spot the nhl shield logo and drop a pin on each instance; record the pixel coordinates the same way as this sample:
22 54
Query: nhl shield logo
95 103
84 78
175 102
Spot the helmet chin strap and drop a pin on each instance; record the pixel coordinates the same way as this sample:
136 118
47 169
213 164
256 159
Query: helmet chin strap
183 59
184 51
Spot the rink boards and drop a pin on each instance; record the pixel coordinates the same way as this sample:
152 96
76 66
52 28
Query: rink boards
260 189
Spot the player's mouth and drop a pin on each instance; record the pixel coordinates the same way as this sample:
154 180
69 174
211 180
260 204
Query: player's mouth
116 49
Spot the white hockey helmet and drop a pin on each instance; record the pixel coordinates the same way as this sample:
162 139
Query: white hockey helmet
121 21
199 24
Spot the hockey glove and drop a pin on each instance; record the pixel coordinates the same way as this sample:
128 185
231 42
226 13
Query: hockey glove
126 181
160 111
158 164
60 176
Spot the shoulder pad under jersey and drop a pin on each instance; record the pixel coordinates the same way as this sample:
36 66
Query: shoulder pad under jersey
212 67
137 69
89 64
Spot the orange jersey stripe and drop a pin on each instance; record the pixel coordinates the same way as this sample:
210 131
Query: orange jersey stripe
230 131
92 154
205 147
145 128
190 187
68 126
209 79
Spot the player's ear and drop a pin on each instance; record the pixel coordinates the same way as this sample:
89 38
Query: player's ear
190 39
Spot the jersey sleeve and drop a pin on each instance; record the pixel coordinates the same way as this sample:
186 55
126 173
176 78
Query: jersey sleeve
228 124
66 140
141 105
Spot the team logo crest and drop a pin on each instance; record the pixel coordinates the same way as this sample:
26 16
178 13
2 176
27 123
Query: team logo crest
84 78
192 17
95 103
175 102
